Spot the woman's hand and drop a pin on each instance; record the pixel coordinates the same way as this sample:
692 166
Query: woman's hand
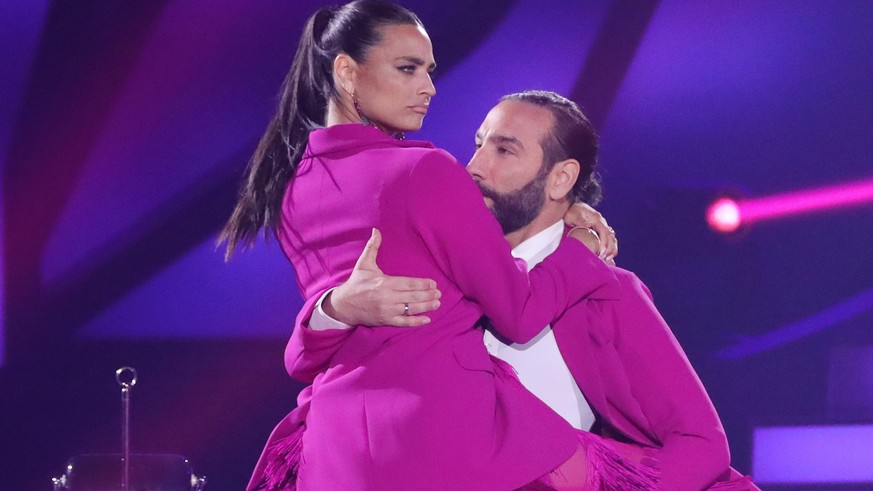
582 216
370 298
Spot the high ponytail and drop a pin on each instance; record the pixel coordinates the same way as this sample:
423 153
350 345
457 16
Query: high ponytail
303 99
301 109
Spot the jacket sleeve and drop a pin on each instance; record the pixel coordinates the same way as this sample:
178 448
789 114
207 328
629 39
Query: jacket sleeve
465 240
308 351
694 450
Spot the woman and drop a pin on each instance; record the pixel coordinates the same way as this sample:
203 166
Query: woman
423 408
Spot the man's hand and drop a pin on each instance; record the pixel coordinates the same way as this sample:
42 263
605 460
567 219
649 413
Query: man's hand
581 215
369 298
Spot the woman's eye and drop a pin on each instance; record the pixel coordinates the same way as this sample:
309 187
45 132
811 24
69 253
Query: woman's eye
478 145
406 68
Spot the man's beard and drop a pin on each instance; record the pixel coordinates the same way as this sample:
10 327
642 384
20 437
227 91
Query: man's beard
517 208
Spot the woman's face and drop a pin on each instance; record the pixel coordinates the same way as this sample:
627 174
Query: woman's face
393 86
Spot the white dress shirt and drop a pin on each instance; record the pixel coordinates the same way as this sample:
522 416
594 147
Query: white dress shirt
538 363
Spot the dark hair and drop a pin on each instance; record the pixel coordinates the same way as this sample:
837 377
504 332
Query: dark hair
572 136
308 87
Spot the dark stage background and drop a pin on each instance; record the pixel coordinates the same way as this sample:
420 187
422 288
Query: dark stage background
124 127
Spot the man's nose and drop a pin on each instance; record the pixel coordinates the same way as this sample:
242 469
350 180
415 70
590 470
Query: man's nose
476 167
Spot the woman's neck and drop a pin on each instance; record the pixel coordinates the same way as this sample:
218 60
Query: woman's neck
341 113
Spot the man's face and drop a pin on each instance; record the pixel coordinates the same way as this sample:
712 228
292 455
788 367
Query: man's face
508 161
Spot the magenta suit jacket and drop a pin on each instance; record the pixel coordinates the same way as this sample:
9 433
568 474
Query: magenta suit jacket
423 408
632 371
636 377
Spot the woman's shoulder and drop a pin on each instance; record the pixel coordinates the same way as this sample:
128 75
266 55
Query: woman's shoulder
426 152
437 177
420 164
435 164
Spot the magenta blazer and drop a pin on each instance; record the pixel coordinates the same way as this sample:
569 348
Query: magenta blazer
630 367
632 371
422 408
636 377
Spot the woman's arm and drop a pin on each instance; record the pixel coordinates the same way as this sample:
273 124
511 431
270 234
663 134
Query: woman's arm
581 215
448 212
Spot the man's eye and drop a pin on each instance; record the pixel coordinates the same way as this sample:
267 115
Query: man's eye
407 68
504 150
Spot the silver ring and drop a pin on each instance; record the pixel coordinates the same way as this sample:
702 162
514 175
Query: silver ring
611 230
406 309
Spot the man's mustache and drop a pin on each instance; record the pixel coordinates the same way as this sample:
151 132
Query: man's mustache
488 192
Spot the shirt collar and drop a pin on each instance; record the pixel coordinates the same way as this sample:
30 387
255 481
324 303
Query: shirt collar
540 245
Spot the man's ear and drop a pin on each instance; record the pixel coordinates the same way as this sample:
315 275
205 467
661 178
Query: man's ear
345 71
562 178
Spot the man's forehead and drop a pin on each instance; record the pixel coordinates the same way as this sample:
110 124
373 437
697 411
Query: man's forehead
518 120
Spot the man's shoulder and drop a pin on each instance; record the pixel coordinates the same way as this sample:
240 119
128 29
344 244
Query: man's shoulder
632 287
625 276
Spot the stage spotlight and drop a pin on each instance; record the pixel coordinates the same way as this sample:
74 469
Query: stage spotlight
724 215
677 217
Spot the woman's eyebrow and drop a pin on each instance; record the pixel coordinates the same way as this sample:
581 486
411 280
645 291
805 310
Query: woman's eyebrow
415 61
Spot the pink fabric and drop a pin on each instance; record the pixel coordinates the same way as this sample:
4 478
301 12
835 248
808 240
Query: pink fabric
422 408
289 429
633 373
636 377
283 462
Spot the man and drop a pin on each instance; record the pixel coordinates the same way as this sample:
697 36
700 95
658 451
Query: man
610 365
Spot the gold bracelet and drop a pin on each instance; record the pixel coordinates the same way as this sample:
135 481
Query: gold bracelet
590 230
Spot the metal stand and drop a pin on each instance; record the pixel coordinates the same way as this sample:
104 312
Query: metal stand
126 377
89 472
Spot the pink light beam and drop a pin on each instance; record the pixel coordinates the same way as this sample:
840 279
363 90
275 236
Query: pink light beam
725 215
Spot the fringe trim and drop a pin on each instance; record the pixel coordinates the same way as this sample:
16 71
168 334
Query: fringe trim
283 460
608 470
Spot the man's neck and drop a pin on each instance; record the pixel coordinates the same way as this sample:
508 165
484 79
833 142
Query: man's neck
547 217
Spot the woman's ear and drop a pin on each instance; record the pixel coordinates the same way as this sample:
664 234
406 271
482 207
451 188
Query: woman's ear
345 71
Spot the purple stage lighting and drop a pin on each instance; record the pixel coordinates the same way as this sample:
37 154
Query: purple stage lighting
813 454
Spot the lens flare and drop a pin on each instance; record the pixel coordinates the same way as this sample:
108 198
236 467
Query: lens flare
724 215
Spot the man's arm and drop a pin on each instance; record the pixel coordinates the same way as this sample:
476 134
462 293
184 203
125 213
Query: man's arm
367 298
309 351
694 449
370 298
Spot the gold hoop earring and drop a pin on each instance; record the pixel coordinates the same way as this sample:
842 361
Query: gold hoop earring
367 121
364 119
